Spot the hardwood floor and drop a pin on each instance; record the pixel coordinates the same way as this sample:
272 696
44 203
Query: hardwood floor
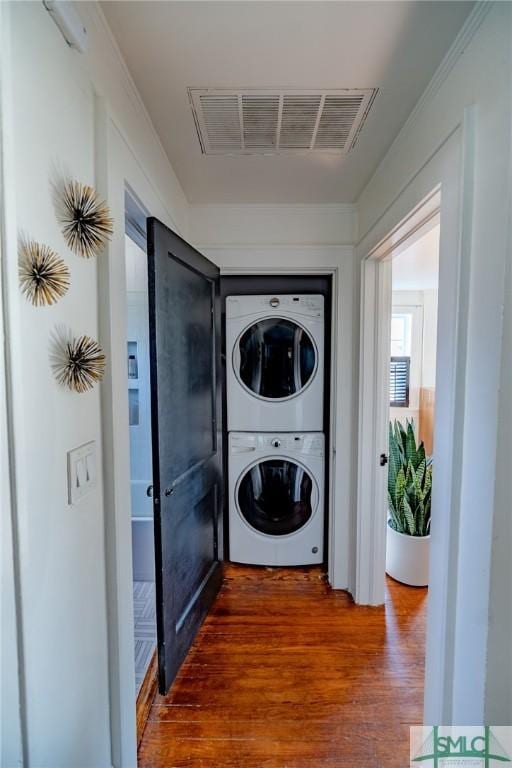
146 695
286 673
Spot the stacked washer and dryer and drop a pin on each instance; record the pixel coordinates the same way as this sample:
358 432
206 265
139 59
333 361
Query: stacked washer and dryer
275 402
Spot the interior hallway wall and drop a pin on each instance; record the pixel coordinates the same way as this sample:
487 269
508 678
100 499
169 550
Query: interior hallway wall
61 547
499 680
428 367
482 57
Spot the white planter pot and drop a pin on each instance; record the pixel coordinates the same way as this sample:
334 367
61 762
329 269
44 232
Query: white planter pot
407 558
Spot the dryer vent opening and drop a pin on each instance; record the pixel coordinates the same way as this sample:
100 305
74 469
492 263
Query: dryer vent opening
279 121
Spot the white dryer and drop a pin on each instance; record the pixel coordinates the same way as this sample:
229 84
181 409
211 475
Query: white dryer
275 362
276 498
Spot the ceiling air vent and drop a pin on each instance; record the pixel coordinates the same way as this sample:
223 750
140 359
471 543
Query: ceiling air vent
272 121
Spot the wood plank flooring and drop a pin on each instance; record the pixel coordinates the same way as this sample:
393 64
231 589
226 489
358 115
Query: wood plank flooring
286 673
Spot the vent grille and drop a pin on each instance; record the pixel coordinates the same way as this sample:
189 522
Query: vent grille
337 120
299 120
222 122
279 121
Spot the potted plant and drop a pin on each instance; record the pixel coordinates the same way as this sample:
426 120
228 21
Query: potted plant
409 501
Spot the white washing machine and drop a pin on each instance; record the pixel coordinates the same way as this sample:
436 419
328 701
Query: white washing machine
276 498
275 362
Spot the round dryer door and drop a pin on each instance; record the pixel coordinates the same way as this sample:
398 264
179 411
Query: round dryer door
277 358
274 497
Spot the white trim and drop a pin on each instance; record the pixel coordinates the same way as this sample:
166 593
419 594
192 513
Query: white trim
257 209
117 166
271 247
13 725
453 550
373 417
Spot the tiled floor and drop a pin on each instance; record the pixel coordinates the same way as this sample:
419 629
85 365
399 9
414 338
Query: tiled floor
145 627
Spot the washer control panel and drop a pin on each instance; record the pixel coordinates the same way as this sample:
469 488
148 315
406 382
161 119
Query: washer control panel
311 443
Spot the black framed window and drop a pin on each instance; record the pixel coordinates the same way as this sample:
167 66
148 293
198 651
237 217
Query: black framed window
399 376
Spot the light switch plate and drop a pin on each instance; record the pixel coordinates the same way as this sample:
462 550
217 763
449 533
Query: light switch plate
81 471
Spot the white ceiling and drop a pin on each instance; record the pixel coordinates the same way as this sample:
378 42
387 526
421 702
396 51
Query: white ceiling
170 46
416 268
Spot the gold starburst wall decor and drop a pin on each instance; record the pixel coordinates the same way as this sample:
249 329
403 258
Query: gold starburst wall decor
44 277
85 219
79 363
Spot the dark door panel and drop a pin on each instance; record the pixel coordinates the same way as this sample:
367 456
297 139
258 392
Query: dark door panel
184 312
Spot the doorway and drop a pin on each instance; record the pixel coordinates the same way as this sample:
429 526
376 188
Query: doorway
141 471
140 449
412 387
282 285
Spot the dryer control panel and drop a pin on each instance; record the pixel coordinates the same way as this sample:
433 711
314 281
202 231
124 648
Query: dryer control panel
310 443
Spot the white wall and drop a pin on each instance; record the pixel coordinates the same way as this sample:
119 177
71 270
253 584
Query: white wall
61 555
466 109
11 746
61 547
271 225
499 679
428 368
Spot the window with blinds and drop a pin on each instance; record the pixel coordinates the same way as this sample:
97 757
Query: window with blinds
399 372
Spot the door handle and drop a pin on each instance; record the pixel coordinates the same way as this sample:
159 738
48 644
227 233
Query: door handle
149 491
383 460
168 491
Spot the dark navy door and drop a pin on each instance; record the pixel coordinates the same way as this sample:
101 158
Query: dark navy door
184 318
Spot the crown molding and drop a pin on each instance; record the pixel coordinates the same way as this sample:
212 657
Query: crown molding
285 247
96 15
457 48
129 84
335 209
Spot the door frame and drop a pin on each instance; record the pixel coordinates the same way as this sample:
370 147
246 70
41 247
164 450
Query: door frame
118 170
376 309
336 512
13 705
462 509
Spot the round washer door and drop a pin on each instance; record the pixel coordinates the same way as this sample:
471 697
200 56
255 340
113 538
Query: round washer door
275 497
275 358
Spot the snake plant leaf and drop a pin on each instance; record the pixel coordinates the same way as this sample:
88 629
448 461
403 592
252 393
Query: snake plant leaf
409 481
409 517
395 517
419 476
427 485
400 489
410 445
401 437
420 453
410 478
395 462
